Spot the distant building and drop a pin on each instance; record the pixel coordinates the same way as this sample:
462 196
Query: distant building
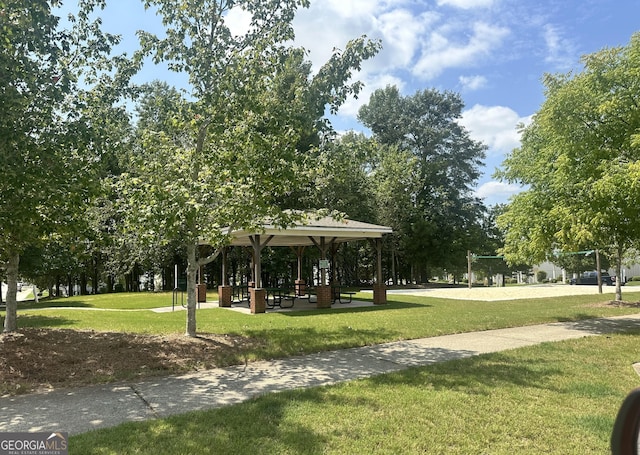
556 273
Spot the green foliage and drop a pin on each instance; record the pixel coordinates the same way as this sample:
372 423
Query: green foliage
58 100
579 159
340 178
227 153
427 176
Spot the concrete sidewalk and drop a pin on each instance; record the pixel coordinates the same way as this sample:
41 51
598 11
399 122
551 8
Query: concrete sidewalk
88 408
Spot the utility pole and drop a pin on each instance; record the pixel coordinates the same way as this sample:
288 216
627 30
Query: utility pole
469 267
599 272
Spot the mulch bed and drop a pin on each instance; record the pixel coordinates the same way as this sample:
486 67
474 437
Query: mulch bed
34 359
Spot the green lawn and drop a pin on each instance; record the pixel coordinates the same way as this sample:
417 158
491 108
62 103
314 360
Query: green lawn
558 398
285 334
116 301
554 398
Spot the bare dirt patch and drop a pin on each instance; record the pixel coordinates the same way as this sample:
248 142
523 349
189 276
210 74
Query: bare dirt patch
615 304
39 359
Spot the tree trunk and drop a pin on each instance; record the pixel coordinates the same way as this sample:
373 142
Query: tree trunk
192 269
94 277
83 283
11 316
394 271
619 276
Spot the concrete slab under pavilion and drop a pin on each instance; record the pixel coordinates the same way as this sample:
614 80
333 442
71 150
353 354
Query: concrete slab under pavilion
324 233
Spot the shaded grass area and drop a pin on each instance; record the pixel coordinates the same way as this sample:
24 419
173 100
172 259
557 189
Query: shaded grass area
558 398
404 317
284 334
115 301
100 322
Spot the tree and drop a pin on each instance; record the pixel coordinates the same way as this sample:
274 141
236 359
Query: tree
50 94
340 178
446 169
234 145
580 160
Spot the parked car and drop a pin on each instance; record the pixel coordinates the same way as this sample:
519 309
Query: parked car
592 278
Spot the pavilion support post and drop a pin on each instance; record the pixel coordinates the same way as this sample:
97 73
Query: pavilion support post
223 278
224 295
224 290
323 293
300 285
333 282
258 300
257 295
379 287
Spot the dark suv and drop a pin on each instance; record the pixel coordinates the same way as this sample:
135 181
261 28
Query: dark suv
592 278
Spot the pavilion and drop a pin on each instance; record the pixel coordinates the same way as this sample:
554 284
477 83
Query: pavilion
325 233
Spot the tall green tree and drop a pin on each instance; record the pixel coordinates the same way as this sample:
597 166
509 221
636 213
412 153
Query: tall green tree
447 165
235 144
394 183
341 180
580 159
52 85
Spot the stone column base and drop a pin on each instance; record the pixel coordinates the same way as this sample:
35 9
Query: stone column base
301 287
323 294
257 300
224 296
379 294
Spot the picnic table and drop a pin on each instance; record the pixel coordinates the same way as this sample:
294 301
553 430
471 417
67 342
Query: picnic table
240 293
339 293
278 297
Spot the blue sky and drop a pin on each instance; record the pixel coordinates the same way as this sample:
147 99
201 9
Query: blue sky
493 52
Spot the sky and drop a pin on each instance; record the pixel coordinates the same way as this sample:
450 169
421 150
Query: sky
494 53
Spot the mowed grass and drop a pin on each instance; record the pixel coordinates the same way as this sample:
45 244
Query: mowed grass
557 398
554 398
298 332
114 301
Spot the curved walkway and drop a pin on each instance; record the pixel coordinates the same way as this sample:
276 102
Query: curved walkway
84 409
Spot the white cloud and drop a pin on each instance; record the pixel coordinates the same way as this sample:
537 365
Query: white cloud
330 24
466 4
440 53
561 52
325 26
238 20
349 8
494 192
401 32
494 126
470 83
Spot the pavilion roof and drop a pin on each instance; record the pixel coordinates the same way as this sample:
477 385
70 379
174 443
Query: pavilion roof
302 233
